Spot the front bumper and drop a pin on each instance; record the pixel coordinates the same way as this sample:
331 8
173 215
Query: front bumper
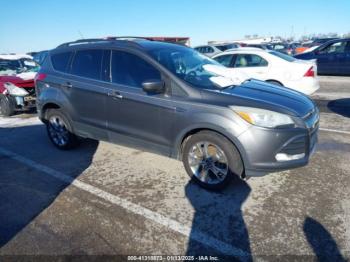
261 145
25 102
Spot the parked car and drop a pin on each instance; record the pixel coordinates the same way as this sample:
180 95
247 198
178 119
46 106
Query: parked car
40 56
280 47
172 100
224 47
208 50
17 92
311 44
333 57
273 67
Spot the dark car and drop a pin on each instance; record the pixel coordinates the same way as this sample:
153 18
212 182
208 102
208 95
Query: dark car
172 100
333 57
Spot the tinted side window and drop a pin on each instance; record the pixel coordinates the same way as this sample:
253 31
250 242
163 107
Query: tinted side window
87 63
225 60
60 61
210 50
337 47
245 60
131 70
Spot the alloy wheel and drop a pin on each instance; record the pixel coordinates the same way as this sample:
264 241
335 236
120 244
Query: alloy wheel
58 131
208 162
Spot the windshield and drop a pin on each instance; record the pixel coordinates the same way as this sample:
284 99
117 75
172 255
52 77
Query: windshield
187 64
283 56
12 67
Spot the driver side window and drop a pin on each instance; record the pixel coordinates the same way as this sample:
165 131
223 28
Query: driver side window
337 47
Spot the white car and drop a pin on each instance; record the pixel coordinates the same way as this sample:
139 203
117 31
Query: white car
273 67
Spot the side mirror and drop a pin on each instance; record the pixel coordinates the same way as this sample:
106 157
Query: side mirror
153 86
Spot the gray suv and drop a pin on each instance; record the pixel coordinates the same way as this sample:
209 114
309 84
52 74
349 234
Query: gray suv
166 98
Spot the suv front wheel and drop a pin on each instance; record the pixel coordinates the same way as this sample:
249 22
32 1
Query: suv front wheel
211 160
59 130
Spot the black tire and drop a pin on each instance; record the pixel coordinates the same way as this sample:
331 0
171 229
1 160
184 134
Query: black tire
234 164
7 105
274 82
61 135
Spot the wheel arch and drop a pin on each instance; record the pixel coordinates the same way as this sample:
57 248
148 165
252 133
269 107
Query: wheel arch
46 106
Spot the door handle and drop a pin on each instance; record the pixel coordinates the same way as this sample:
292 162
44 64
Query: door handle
67 85
115 94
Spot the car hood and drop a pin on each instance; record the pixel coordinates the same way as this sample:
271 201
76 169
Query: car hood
18 81
259 94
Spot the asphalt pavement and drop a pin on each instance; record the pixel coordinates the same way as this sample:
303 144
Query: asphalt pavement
104 199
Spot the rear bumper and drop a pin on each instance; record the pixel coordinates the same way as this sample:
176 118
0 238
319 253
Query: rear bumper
306 85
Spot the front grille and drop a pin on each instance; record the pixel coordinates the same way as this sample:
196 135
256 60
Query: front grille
31 91
296 146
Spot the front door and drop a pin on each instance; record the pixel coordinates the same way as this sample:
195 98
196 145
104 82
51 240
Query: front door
134 117
329 58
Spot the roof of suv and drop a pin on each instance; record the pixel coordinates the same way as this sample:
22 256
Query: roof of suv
136 42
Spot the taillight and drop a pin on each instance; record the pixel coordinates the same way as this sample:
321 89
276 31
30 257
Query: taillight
310 72
39 77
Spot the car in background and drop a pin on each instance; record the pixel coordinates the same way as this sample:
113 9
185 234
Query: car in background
17 91
224 47
312 44
280 47
333 57
211 50
272 66
39 57
207 50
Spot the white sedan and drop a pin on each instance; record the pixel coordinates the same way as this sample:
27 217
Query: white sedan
273 67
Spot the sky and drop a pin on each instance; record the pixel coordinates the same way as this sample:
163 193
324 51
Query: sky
34 25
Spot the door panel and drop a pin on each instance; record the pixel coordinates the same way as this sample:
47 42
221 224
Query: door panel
86 93
330 59
135 118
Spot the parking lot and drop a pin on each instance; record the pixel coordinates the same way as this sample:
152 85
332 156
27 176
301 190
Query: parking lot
104 199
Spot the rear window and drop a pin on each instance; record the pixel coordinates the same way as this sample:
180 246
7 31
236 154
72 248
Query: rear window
88 63
60 61
283 56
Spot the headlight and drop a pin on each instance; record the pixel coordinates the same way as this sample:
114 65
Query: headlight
262 117
15 90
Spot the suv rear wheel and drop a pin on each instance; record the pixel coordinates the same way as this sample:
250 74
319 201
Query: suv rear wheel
59 130
211 160
7 105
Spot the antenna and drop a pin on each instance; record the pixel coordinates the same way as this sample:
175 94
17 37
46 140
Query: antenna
81 35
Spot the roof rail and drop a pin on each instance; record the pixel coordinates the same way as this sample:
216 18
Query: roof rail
127 38
83 41
94 40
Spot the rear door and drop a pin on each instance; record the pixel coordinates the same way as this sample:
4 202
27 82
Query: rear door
134 117
86 93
